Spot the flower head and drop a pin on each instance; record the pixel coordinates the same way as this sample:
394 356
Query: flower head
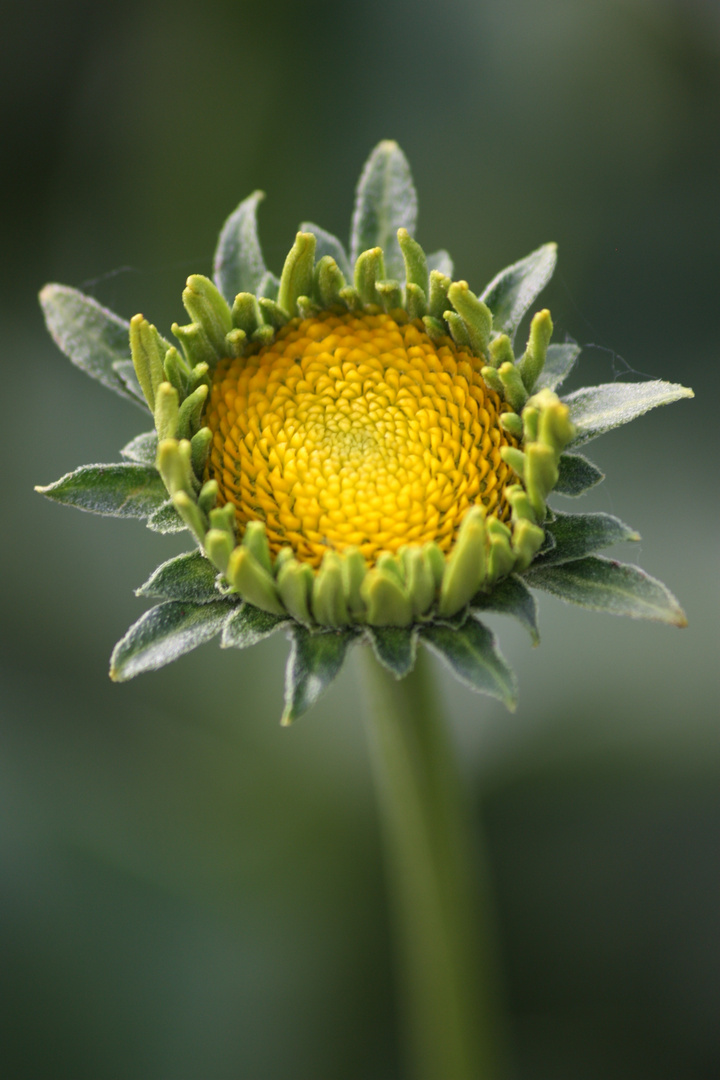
357 449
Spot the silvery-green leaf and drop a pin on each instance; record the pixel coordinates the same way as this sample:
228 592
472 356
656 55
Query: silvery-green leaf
605 585
268 285
126 371
142 449
395 647
442 261
238 265
93 337
123 490
510 294
577 535
314 661
510 597
249 625
166 519
385 201
327 244
186 577
559 362
164 633
470 651
597 409
576 475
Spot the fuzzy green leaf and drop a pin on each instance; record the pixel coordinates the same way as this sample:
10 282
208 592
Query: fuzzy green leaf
186 577
510 597
576 475
559 362
166 519
93 337
238 265
395 648
327 244
142 449
605 585
123 490
441 261
314 661
512 291
470 651
166 632
385 201
597 409
249 625
126 370
577 535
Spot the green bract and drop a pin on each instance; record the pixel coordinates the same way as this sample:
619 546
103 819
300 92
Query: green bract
234 586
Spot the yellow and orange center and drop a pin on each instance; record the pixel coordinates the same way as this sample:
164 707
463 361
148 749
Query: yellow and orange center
356 430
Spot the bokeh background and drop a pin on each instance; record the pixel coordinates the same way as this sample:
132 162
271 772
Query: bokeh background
187 891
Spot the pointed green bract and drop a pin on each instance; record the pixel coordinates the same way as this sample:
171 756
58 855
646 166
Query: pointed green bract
385 201
559 362
314 661
90 335
576 475
164 633
186 577
327 244
122 490
249 625
597 409
125 369
166 519
142 449
512 291
470 651
442 262
577 535
615 588
510 597
238 265
395 647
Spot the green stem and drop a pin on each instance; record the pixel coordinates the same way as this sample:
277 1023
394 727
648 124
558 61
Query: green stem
446 940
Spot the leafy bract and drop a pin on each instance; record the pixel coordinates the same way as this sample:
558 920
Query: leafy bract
395 647
609 586
577 535
166 632
441 260
94 338
510 294
186 577
470 651
315 659
576 475
238 265
327 244
559 362
510 597
166 519
385 201
597 409
122 490
142 449
249 625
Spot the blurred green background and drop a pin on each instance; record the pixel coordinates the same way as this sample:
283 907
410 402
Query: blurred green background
188 892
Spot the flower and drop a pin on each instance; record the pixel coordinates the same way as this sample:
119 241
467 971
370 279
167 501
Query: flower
357 450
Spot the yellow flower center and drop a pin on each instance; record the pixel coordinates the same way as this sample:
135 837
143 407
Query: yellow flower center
356 430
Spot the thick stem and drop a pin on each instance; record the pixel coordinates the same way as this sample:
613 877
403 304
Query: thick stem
446 939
